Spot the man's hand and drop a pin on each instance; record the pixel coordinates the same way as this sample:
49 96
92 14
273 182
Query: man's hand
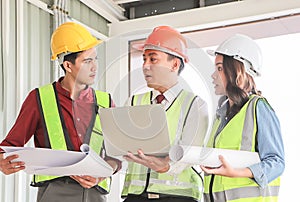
158 164
8 167
87 181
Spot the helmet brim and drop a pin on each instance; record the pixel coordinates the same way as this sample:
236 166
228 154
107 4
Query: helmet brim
211 52
138 46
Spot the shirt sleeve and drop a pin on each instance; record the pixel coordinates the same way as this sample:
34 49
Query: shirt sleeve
26 123
269 146
194 131
112 103
128 101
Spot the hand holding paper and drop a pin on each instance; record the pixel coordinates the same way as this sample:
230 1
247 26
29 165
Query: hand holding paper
209 157
59 162
9 166
227 170
87 181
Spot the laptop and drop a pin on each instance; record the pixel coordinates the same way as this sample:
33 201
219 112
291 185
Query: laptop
131 128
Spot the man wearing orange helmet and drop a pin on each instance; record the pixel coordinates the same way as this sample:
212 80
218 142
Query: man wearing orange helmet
63 116
150 178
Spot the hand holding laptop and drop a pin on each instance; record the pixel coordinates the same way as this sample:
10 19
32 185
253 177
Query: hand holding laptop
158 164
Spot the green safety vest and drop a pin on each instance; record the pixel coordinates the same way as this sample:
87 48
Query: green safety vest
238 134
140 178
56 133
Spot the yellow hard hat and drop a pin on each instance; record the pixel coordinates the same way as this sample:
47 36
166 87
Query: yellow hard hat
71 37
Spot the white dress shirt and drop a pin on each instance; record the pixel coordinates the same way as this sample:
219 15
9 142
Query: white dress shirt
196 125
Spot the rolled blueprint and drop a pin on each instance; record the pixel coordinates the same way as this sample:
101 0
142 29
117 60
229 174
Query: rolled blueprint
210 156
45 161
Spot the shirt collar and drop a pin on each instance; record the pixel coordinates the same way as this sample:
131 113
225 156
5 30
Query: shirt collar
85 95
222 107
170 94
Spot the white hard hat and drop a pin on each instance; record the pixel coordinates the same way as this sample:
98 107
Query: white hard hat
243 49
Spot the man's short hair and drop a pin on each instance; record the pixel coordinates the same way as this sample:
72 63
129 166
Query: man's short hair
171 57
71 58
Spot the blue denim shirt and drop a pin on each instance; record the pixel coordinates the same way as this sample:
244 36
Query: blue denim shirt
269 146
269 142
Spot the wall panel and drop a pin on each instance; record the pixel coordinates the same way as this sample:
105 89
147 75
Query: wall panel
9 95
1 67
26 65
84 14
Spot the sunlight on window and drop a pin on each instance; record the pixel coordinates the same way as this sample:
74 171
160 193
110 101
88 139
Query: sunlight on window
279 83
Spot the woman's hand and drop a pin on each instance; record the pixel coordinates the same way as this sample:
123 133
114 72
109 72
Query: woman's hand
227 170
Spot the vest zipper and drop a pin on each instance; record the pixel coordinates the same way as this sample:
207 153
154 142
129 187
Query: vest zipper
147 180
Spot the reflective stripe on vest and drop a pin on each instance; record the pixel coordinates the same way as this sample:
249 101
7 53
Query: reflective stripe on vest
188 183
238 134
246 194
54 129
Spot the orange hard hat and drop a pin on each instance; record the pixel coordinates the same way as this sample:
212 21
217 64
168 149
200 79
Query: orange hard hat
71 37
169 40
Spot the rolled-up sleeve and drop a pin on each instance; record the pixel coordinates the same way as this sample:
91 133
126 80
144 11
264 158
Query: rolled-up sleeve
269 145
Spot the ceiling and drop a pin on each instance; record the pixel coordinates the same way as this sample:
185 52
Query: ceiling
144 8
256 30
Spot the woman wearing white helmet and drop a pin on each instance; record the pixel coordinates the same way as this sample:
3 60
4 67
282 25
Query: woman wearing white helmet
244 121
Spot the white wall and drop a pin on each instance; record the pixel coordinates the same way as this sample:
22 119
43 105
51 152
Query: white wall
280 85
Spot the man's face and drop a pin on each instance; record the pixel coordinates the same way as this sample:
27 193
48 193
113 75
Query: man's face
85 68
157 70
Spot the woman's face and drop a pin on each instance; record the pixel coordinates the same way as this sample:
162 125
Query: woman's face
219 79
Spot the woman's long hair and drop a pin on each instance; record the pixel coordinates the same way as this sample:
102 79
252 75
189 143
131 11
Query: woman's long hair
234 70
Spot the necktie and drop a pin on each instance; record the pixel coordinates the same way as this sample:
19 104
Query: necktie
160 98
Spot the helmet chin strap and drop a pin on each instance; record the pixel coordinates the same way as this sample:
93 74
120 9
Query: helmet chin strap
60 57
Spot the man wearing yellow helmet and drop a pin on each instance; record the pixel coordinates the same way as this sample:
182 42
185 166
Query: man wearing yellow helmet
151 178
63 115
